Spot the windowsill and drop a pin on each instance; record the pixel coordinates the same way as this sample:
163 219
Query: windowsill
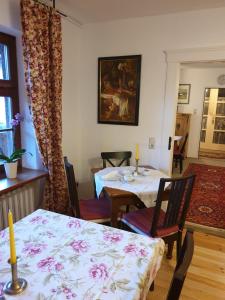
24 177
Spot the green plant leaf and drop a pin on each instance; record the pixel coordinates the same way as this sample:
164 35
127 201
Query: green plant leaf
17 154
4 157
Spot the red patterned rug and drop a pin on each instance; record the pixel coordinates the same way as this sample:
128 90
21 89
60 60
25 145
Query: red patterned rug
207 205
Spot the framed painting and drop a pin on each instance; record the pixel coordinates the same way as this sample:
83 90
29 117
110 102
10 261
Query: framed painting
119 89
184 93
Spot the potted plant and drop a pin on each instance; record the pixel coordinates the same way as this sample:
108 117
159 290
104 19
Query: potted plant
10 162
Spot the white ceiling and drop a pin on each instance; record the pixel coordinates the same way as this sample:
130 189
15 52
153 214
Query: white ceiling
88 11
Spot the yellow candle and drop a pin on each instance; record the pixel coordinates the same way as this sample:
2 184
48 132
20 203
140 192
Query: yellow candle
137 152
11 239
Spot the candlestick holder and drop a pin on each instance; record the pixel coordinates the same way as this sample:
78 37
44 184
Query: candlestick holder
136 168
16 285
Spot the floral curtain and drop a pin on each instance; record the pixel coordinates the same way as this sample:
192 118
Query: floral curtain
42 47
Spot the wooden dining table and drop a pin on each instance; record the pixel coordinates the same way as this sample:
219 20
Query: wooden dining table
124 195
65 258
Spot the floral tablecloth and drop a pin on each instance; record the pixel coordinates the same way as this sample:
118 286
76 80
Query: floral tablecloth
67 258
145 187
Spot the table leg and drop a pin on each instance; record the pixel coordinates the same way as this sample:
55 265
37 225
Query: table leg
114 213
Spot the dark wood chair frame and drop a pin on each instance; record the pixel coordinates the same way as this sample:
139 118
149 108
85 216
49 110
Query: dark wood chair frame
123 157
179 157
180 192
179 195
72 187
93 209
182 266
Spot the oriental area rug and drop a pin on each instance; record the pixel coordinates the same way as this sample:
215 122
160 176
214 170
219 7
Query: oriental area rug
207 206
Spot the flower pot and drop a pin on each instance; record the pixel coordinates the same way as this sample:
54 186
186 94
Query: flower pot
11 169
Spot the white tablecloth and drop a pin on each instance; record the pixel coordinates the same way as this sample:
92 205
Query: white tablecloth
66 258
145 187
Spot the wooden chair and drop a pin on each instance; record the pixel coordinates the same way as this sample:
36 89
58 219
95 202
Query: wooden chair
96 210
182 266
178 154
123 157
154 222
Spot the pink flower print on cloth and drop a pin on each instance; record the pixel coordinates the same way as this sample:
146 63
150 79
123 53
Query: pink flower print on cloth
64 290
49 264
99 271
131 248
135 250
112 237
79 246
38 220
49 234
32 249
74 223
2 235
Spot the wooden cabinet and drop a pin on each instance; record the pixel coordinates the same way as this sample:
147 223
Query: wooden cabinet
182 127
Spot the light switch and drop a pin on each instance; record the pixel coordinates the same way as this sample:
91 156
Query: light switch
151 143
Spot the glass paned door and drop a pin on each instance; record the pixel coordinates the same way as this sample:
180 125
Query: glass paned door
213 120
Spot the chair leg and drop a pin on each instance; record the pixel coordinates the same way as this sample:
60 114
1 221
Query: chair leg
152 286
170 250
179 243
181 165
175 163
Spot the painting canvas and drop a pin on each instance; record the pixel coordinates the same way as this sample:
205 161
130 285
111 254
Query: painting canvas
118 89
184 93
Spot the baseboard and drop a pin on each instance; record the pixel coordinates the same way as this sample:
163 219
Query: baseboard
206 229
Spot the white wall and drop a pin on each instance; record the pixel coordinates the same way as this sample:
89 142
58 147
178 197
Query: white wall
149 37
71 117
199 80
10 15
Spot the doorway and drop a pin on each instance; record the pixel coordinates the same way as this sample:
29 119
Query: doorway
174 59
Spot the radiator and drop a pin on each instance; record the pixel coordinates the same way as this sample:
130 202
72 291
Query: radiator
21 202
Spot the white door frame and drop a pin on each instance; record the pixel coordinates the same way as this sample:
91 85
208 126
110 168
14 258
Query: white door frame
173 59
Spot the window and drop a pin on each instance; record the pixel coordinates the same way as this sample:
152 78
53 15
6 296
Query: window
9 101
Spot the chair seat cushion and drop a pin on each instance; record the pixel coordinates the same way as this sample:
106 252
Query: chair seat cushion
141 221
95 209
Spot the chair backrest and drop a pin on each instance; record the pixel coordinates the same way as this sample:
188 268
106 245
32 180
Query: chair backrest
72 188
122 157
182 148
180 190
182 266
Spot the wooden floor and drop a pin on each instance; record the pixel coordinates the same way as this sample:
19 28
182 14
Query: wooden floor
206 275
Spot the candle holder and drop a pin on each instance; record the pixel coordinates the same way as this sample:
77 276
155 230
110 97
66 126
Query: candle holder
136 168
16 285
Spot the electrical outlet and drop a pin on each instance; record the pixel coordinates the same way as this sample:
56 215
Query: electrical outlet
151 143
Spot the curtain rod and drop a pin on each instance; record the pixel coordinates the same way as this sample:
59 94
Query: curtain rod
69 18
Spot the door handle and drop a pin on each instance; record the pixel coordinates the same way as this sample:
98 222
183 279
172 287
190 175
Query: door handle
169 143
